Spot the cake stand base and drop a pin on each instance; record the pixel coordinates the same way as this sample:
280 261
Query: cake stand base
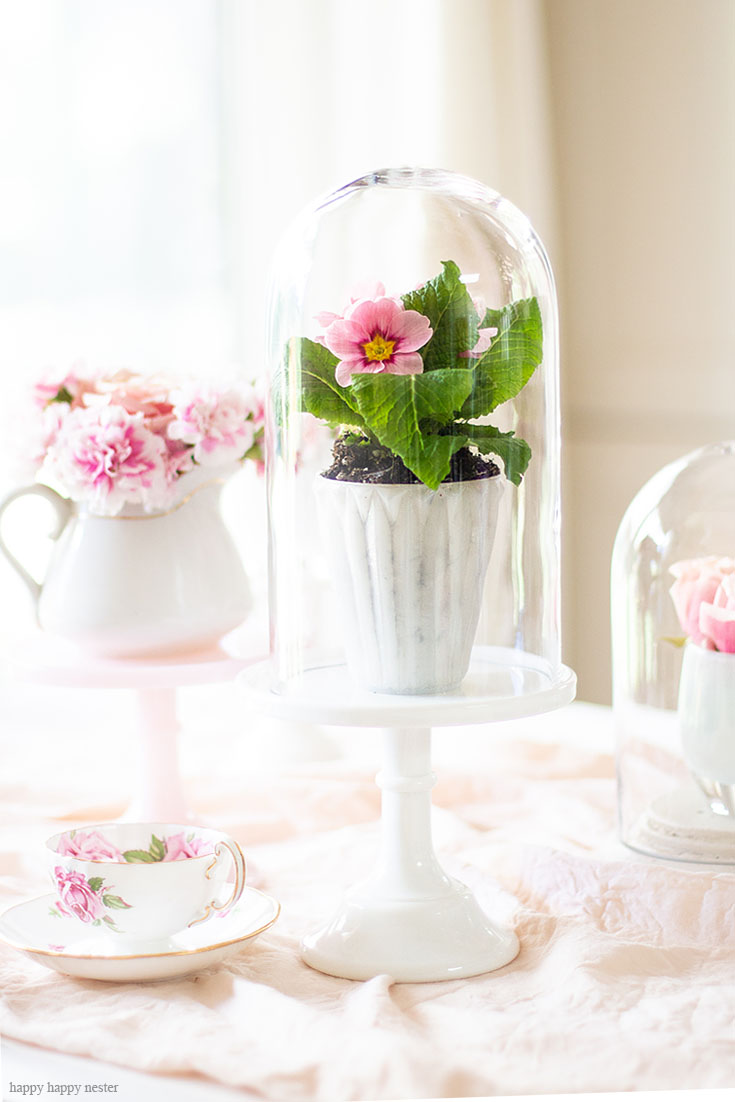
681 826
409 920
412 940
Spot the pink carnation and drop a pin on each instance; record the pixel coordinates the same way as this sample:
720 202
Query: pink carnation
106 457
219 425
76 898
378 336
89 846
179 847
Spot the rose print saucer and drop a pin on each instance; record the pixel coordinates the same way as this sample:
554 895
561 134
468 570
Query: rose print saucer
96 953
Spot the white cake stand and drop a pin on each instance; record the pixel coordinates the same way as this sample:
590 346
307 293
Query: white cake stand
158 795
410 919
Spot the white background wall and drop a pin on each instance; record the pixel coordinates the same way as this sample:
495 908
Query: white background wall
153 151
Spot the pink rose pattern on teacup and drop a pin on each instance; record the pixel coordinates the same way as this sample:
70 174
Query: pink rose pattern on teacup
93 846
704 598
88 846
85 899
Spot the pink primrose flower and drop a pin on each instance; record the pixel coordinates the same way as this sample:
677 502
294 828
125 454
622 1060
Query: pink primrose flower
698 589
106 457
76 898
179 847
378 336
485 335
88 845
218 424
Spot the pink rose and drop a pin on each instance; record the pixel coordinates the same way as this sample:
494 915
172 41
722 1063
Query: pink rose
179 847
717 619
696 593
89 846
76 898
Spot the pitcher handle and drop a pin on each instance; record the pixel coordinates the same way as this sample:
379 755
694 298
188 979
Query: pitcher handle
62 509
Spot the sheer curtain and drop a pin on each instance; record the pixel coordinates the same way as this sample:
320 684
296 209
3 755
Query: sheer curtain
155 151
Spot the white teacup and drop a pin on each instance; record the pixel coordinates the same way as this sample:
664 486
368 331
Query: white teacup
144 881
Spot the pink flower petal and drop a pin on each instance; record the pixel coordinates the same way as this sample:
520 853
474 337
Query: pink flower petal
718 625
406 363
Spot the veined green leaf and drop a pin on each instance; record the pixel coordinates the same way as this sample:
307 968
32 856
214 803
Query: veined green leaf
447 303
95 883
512 450
394 406
139 857
322 395
512 358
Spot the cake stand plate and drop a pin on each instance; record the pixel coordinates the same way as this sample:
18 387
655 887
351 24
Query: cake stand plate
502 683
159 794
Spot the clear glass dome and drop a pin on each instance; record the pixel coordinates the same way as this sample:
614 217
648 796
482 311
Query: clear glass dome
673 634
413 454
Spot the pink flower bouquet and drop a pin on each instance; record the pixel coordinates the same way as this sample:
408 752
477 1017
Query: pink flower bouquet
109 441
704 598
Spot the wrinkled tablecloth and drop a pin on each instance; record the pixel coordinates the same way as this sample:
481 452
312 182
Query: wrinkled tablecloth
626 976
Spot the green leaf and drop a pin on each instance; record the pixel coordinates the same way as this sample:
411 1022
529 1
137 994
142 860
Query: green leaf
512 358
95 883
138 857
393 408
115 903
53 911
512 450
447 304
157 848
321 394
111 923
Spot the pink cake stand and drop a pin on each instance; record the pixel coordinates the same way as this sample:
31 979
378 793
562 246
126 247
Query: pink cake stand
158 794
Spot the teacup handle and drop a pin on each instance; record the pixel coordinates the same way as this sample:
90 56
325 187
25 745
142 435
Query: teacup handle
62 508
226 846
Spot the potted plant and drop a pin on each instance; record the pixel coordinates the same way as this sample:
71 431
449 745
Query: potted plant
409 501
704 598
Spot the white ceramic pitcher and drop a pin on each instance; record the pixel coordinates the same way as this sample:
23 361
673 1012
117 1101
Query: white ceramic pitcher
139 584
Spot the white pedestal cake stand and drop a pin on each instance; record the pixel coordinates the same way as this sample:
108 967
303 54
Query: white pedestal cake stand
410 919
158 795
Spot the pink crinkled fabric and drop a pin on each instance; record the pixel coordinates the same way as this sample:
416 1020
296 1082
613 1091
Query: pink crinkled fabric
625 980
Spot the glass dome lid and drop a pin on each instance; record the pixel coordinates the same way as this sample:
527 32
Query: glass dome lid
673 638
413 455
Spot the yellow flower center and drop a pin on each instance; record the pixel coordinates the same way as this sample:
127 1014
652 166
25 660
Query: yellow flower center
378 348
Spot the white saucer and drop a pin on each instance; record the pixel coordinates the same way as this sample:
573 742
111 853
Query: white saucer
64 945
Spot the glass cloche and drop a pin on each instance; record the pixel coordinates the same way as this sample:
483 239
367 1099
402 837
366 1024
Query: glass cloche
673 621
413 435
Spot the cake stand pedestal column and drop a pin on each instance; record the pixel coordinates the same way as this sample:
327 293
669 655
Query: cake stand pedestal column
409 919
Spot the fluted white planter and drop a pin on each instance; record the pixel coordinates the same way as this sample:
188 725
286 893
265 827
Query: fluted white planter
707 723
409 565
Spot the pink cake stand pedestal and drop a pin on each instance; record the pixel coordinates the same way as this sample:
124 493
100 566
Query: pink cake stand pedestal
158 794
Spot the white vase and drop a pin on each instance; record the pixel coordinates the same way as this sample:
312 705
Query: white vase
707 723
409 565
140 584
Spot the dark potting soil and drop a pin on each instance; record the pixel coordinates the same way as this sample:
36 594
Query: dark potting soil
356 459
